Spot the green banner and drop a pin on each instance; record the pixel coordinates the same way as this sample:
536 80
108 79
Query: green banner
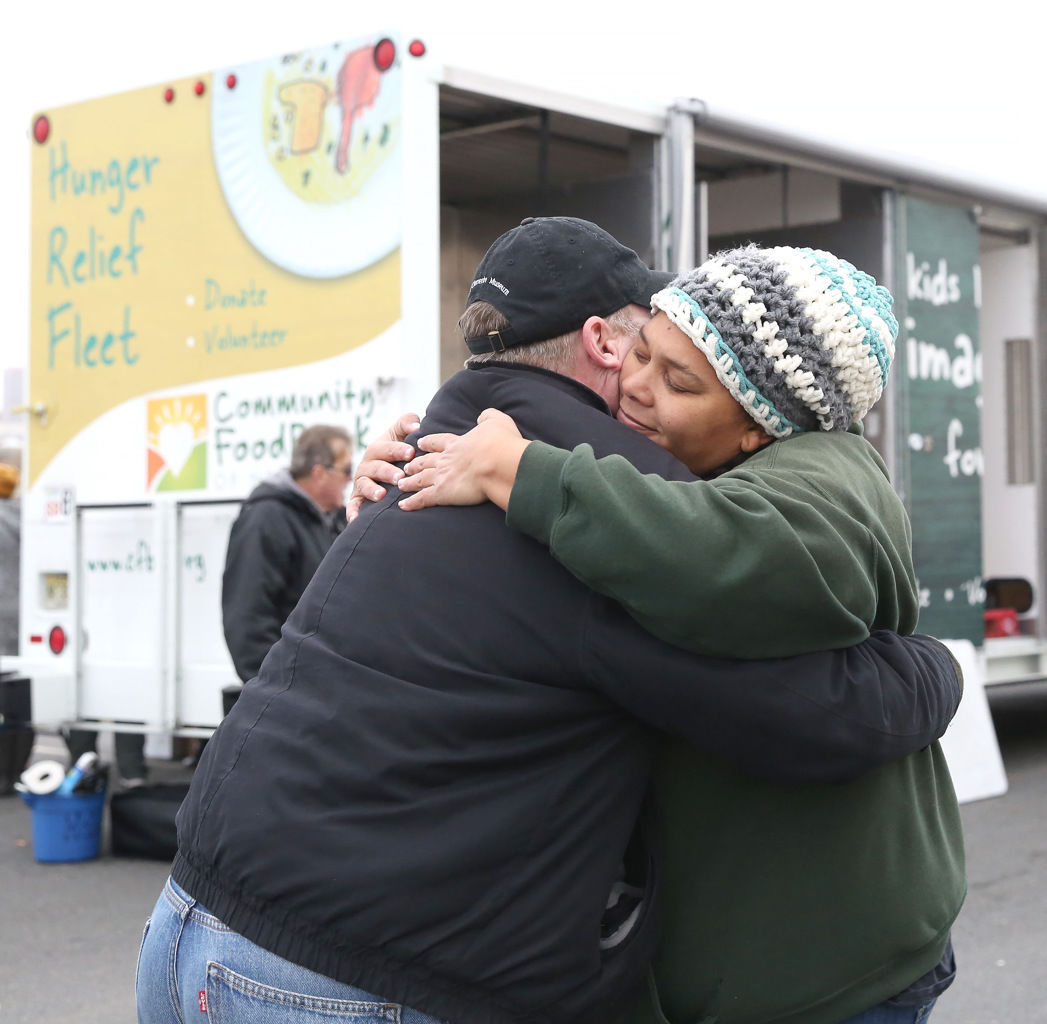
938 373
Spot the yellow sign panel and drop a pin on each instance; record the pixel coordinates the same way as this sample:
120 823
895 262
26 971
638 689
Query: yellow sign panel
239 222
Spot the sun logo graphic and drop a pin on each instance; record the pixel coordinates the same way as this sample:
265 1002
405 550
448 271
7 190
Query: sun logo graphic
176 433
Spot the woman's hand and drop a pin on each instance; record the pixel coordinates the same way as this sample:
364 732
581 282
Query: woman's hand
377 464
468 469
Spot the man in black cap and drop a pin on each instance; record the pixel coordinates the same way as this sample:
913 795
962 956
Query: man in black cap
555 293
419 807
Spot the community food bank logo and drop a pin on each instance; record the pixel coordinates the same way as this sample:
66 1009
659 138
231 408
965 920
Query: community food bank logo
176 433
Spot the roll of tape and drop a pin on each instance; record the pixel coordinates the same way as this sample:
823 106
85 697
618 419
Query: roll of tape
43 777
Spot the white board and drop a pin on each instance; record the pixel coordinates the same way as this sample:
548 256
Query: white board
970 743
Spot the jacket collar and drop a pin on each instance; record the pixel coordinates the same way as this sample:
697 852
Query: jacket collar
566 384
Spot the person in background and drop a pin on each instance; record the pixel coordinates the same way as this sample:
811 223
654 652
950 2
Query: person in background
130 753
10 537
281 535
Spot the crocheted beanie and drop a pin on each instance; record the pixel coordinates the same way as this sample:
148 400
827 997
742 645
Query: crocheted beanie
801 338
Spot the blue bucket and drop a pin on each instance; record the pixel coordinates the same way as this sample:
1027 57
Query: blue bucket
66 828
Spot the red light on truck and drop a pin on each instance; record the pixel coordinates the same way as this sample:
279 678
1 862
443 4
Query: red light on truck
384 54
56 640
36 638
169 95
199 88
230 81
41 129
417 48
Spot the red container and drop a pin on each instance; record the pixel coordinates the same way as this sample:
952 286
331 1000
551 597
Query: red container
1001 622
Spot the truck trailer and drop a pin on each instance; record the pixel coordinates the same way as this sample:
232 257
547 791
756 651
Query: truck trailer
222 260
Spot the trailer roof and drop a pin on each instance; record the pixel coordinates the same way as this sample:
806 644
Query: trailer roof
492 137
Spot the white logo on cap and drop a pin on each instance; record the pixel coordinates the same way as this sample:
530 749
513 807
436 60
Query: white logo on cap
492 281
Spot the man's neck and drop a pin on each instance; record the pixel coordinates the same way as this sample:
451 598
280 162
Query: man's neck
303 486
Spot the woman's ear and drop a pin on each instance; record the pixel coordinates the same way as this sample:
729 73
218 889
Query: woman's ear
754 438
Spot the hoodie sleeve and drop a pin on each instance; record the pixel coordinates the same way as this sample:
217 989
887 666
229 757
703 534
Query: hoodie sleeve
804 546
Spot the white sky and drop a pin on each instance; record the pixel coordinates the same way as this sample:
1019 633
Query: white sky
957 86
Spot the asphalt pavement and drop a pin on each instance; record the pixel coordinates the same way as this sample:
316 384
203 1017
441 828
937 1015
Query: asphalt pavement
69 933
1001 934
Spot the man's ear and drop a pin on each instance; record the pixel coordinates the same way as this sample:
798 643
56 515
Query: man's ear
600 345
754 438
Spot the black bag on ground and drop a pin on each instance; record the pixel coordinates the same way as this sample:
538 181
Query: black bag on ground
143 820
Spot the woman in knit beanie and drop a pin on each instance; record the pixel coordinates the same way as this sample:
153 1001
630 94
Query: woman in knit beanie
799 340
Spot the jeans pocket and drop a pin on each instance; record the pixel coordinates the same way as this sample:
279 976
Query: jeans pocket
141 946
924 1012
233 999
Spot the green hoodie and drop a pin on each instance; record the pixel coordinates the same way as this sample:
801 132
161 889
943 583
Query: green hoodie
783 904
807 533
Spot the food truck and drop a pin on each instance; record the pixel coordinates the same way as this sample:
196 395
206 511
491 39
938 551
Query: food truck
221 260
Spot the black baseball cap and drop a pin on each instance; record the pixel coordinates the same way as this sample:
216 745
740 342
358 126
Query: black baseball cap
550 274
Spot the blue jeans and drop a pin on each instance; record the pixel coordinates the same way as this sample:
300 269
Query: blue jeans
191 964
884 1014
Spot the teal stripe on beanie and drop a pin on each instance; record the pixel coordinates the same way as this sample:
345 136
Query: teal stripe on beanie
871 294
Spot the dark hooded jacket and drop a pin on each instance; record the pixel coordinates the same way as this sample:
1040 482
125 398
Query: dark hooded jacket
275 545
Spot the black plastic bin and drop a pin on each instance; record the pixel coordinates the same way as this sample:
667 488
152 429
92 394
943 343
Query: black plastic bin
15 699
16 744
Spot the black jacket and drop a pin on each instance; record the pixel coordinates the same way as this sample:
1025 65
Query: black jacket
429 789
275 545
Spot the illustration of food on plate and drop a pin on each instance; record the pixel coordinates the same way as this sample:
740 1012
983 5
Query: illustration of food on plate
307 152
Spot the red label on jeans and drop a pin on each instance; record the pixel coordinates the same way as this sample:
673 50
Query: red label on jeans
203 1001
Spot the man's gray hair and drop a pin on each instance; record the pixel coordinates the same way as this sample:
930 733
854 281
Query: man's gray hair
315 447
558 355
